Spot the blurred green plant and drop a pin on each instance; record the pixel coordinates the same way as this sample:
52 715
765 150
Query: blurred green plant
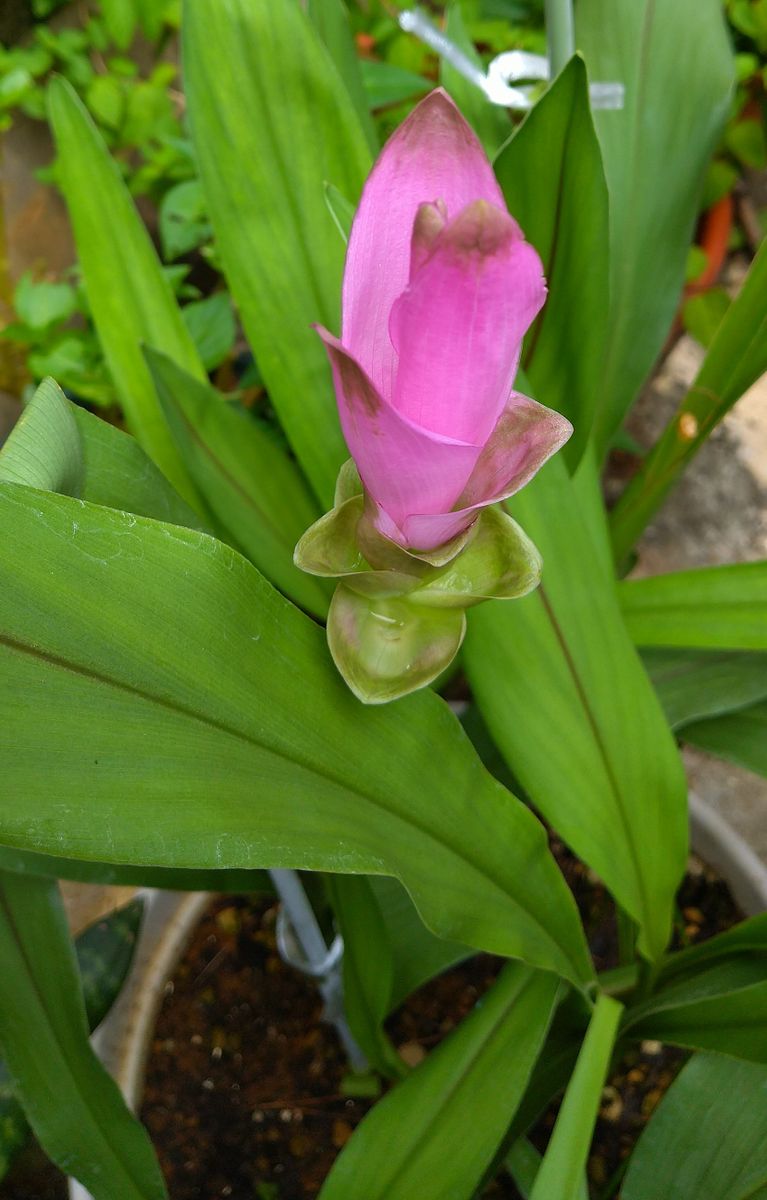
117 60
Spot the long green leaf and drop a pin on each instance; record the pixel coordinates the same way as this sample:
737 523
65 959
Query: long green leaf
331 18
722 1006
388 953
434 1135
416 953
746 938
698 684
44 449
270 129
131 299
676 65
551 1073
104 953
368 969
490 123
523 1163
251 487
174 879
59 447
72 1104
569 705
552 177
165 706
564 1162
709 608
736 358
740 737
707 1138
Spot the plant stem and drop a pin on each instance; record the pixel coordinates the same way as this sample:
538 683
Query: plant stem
620 980
560 33
627 934
648 975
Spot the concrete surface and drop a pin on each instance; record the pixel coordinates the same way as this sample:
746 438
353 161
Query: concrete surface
717 514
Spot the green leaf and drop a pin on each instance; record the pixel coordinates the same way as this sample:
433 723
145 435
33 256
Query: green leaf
491 123
211 323
708 1136
104 954
677 68
269 131
736 358
251 487
740 737
747 142
368 969
59 447
14 86
434 1134
41 304
120 18
703 314
749 935
523 1163
131 300
43 450
118 474
722 1006
331 19
568 703
385 83
553 181
551 1073
341 210
183 221
561 1172
707 608
72 1104
191 717
105 99
695 684
417 954
14 1129
177 879
74 360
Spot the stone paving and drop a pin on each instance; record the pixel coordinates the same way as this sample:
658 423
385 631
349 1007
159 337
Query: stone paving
717 514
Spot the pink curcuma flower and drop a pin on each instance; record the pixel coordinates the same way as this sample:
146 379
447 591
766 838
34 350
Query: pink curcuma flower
439 289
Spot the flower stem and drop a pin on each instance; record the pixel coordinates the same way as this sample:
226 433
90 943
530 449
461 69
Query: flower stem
560 33
627 935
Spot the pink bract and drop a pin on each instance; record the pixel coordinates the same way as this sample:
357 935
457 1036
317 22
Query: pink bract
439 290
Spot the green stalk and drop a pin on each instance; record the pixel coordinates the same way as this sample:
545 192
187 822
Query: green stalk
627 937
560 33
565 1159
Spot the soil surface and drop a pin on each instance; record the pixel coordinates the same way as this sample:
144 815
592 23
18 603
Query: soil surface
247 1088
249 1095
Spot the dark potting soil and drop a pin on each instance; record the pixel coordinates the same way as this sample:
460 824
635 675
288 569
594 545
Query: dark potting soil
248 1091
246 1087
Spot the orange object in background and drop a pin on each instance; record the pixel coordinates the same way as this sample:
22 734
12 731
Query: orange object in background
366 44
714 240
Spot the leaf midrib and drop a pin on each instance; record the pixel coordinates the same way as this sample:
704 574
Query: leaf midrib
211 722
448 1094
601 747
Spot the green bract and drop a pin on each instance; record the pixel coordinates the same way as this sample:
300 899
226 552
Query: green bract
397 618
